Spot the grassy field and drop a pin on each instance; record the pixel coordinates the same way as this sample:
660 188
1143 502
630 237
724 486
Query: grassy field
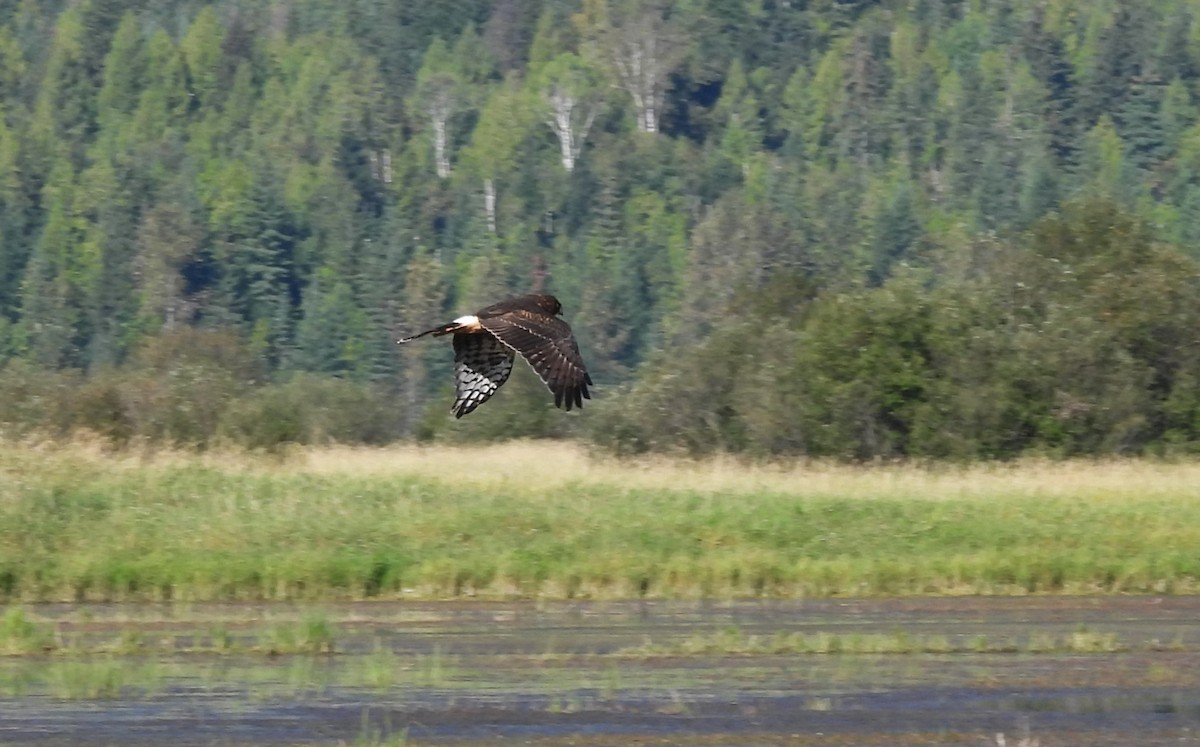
545 520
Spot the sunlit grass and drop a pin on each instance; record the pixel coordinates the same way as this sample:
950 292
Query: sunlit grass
100 678
546 520
312 635
733 641
382 668
21 635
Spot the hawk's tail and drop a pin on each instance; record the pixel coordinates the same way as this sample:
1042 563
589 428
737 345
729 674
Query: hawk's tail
469 323
445 329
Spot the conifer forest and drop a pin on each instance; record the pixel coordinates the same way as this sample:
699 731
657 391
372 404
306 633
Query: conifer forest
856 229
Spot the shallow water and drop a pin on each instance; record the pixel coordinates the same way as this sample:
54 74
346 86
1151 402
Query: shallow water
579 673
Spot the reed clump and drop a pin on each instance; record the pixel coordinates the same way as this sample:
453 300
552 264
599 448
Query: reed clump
737 642
535 519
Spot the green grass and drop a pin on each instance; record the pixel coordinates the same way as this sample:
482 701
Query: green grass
103 678
545 521
312 635
21 635
735 642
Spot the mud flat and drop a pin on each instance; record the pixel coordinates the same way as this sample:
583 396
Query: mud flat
954 671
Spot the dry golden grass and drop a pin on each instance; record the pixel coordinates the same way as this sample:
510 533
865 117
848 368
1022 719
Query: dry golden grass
541 466
545 465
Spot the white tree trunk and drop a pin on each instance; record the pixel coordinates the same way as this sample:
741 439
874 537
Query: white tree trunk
560 122
440 157
440 105
641 74
571 136
489 204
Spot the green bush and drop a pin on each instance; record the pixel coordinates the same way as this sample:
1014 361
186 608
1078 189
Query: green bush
189 387
310 409
1079 338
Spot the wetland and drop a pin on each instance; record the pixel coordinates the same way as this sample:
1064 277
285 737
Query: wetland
960 671
534 594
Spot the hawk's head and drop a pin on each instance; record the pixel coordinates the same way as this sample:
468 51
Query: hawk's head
549 304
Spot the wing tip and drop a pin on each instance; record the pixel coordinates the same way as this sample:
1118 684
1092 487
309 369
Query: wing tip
569 397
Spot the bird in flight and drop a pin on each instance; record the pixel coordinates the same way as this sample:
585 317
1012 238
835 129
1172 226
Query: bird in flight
486 342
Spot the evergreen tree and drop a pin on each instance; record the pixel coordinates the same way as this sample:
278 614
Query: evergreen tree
1048 61
108 220
15 218
739 107
125 70
424 297
380 286
56 281
1176 115
255 248
202 53
65 112
1140 124
1103 163
332 330
894 229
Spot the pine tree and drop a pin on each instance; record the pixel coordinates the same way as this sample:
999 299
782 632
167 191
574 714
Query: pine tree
255 254
15 220
125 69
1039 187
13 69
895 228
1049 63
424 297
739 108
56 281
1177 114
1139 122
168 238
108 222
380 286
331 336
607 293
65 111
202 53
1103 163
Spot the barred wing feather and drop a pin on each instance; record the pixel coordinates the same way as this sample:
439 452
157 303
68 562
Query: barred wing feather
481 365
546 343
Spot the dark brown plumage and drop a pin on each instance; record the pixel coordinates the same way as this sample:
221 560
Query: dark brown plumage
485 344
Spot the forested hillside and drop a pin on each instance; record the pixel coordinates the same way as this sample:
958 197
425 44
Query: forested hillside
907 228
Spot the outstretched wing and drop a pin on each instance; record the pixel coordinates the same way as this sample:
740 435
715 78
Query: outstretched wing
481 365
546 343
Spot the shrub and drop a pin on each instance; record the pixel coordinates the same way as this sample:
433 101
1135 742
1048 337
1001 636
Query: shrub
310 409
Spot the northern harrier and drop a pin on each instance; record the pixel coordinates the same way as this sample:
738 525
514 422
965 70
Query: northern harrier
485 344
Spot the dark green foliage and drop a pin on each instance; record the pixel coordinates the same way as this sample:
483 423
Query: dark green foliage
309 179
1081 337
330 338
309 410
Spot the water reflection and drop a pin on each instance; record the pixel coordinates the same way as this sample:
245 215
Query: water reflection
687 672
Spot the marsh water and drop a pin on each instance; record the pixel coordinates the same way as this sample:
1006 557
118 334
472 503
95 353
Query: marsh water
958 671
